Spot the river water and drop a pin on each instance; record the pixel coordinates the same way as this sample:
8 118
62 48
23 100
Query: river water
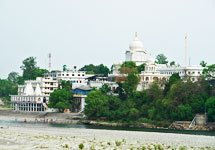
48 125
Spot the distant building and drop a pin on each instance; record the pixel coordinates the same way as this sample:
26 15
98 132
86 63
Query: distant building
77 78
34 94
79 95
153 72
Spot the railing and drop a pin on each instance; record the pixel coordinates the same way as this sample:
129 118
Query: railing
193 122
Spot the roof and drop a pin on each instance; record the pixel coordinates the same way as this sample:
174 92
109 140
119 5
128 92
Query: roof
82 87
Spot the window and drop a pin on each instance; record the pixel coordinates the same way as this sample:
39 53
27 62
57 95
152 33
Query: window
67 74
72 74
62 74
51 83
78 74
82 74
51 89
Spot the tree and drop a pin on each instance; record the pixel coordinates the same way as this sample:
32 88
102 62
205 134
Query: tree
209 72
141 68
203 63
100 69
7 88
173 79
30 69
64 67
210 106
130 84
128 67
172 63
60 99
13 77
161 59
96 105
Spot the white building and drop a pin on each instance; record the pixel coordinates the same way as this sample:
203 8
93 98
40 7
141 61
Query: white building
154 72
34 94
78 78
136 52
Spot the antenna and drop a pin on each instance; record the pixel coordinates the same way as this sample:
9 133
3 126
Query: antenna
185 59
49 56
189 60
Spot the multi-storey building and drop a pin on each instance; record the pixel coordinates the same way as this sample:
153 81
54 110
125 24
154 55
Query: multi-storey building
78 78
34 94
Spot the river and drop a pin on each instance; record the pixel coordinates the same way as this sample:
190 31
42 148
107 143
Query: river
50 125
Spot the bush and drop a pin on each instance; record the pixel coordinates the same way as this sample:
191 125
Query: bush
81 146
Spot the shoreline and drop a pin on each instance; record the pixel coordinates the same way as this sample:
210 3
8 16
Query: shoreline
77 118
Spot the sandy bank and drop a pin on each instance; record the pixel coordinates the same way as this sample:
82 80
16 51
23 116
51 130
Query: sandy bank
61 138
40 116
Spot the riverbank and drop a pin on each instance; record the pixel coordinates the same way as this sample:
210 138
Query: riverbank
18 137
10 115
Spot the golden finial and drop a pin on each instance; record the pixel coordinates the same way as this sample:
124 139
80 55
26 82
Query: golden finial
136 34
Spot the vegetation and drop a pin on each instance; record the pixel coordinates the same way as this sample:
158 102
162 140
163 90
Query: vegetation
61 98
130 66
81 146
30 69
161 59
92 69
7 88
178 101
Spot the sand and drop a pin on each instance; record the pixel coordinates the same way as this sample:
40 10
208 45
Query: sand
14 137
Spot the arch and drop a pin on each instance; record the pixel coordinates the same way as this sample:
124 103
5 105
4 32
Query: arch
155 78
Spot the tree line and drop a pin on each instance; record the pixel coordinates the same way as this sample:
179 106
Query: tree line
179 100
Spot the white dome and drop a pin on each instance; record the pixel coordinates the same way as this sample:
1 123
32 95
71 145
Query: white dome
150 60
136 44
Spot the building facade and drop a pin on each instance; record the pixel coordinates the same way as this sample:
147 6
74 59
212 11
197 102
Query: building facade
154 72
34 94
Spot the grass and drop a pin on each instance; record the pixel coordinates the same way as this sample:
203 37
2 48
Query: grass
118 143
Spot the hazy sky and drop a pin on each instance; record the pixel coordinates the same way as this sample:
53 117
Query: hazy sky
79 32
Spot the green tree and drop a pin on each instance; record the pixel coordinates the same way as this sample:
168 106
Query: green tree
7 88
173 79
60 99
203 63
64 68
13 77
30 69
128 67
96 105
209 72
172 63
141 68
130 84
161 59
100 69
210 106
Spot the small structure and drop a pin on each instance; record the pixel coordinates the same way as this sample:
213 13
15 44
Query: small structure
1 102
79 95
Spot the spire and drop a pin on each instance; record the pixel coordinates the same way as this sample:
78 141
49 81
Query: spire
136 36
38 90
29 89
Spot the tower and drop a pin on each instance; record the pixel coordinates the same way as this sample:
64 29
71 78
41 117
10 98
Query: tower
49 56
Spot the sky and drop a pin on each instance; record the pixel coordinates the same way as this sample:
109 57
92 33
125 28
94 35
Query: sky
80 32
